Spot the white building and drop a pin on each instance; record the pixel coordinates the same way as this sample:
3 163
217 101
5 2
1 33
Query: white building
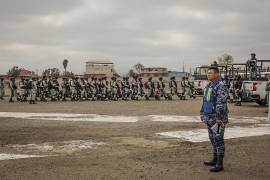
99 68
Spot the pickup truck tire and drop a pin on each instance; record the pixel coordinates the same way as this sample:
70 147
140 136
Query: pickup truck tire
261 102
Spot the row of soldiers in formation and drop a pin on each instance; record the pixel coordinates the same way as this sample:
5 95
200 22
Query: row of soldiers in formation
75 89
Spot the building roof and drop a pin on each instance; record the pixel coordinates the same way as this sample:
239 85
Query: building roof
154 70
151 68
99 61
25 73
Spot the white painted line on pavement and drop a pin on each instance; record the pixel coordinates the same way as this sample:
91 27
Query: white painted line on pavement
201 135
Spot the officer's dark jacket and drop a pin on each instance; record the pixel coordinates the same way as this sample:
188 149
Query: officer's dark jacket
215 100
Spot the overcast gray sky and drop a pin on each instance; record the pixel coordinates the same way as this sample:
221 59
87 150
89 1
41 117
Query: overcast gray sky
38 34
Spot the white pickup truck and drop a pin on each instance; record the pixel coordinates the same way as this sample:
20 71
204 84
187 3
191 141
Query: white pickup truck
254 90
200 82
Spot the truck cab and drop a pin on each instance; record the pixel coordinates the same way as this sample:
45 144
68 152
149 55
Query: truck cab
200 77
254 81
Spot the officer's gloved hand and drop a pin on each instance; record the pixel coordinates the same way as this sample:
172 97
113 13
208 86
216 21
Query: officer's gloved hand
219 121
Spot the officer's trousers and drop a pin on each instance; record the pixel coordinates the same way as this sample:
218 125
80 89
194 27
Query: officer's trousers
217 140
32 95
238 95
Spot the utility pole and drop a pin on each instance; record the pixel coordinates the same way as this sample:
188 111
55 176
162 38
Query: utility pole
183 66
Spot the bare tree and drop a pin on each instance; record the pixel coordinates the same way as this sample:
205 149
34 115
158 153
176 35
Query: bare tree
14 72
225 59
138 67
131 73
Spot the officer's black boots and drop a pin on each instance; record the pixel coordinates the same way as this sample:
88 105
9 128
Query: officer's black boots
211 163
218 167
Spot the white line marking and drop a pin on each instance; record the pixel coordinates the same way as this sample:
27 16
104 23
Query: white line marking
17 156
57 147
68 117
201 135
119 119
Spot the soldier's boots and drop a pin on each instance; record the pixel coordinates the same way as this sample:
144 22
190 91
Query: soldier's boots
211 163
219 166
32 102
43 99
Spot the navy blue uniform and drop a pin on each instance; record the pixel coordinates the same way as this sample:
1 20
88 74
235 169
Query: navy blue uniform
215 107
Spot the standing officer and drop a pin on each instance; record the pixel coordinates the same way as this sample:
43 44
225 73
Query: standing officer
173 86
114 87
32 87
22 90
73 91
64 86
83 85
2 89
13 89
214 113
149 88
44 88
183 87
267 89
93 86
161 87
141 88
125 88
188 88
238 90
135 87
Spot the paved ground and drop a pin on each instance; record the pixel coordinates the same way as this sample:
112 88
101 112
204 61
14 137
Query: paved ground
123 150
